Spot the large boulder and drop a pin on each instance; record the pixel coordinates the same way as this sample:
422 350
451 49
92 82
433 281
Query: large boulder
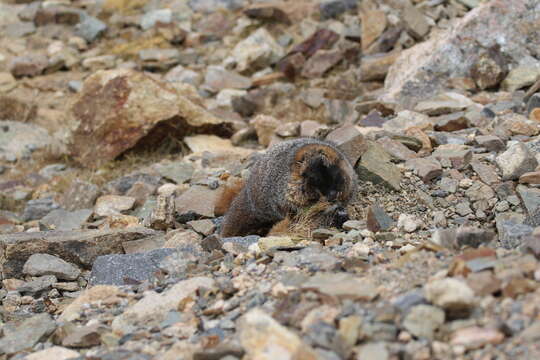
118 109
424 70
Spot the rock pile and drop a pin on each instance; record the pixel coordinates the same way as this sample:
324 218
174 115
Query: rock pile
124 124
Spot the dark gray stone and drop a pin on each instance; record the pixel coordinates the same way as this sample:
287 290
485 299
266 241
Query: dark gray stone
120 269
38 285
38 208
334 8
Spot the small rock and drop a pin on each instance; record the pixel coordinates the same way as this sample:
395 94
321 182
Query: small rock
323 60
520 77
374 351
476 337
197 201
45 264
38 208
378 220
415 22
265 126
90 28
490 142
28 333
262 337
205 227
61 219
153 17
257 51
108 205
350 141
83 336
426 169
409 223
516 161
490 68
450 294
423 320
53 353
342 285
375 166
28 65
120 269
80 195
458 156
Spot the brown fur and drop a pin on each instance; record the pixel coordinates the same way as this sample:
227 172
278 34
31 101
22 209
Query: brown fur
291 177
231 189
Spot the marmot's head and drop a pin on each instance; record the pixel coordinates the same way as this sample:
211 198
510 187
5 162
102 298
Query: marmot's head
323 174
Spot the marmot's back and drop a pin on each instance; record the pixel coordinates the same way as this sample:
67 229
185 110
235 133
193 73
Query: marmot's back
290 176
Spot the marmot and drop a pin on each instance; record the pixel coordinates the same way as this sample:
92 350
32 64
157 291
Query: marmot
288 180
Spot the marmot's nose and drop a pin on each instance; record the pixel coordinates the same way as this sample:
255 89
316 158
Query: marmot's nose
341 217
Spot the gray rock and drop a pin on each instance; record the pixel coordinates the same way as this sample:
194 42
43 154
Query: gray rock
61 219
511 229
530 198
378 220
178 171
333 8
77 247
423 320
28 333
122 269
207 6
90 28
80 195
38 208
375 166
416 75
45 264
18 140
218 78
314 258
408 300
52 170
151 18
426 169
516 161
490 142
38 285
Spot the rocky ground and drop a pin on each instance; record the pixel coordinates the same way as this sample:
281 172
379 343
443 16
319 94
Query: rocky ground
123 122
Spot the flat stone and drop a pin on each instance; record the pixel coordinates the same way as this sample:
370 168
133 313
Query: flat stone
160 59
315 258
154 307
38 285
516 161
350 141
520 77
490 142
426 169
476 337
273 242
450 294
458 156
61 219
423 320
373 24
342 285
323 60
45 264
532 177
205 227
122 269
78 247
28 333
264 338
83 336
151 18
198 201
95 294
487 173
374 351
218 78
108 205
53 353
375 166
415 22
123 106
484 283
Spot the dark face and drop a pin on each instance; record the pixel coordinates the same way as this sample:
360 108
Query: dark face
326 181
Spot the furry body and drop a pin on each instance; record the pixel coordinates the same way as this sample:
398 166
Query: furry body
290 177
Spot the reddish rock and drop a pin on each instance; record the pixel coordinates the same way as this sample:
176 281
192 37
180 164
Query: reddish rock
118 109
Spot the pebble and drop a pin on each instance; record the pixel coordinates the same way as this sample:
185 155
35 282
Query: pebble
516 161
45 264
423 320
450 294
